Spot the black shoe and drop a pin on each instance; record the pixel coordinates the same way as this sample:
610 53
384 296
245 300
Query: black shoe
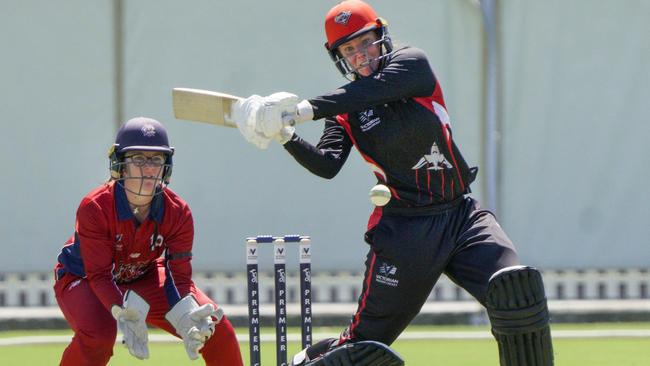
365 353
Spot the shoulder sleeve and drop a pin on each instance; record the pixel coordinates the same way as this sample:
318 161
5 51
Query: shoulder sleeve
96 247
328 156
406 74
178 258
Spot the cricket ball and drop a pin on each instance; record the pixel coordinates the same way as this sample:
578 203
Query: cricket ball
379 195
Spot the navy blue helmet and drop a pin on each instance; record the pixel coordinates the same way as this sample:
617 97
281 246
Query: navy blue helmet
144 134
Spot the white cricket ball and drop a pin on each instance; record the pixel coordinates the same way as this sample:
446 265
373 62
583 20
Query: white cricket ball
379 195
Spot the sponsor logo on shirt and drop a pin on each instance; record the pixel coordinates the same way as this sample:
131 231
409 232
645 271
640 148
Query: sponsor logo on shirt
433 161
118 242
74 284
127 272
368 120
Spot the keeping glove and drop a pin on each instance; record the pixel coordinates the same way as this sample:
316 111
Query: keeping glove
131 318
193 323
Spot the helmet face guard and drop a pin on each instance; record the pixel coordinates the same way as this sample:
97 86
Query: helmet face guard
133 177
348 20
348 71
141 134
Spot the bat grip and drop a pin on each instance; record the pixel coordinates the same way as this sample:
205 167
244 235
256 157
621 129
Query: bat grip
289 118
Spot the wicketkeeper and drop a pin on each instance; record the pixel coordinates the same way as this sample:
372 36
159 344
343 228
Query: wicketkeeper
394 112
128 264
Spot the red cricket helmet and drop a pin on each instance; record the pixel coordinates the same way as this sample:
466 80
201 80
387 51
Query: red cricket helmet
350 19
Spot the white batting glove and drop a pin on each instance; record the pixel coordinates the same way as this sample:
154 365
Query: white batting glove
279 111
246 113
303 112
193 323
285 134
131 318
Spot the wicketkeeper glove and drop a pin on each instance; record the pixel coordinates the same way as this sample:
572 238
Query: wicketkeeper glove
193 323
131 318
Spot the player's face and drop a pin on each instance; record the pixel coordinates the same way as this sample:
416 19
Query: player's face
361 53
143 171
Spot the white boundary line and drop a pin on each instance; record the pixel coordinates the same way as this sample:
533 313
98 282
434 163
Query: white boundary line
294 337
345 309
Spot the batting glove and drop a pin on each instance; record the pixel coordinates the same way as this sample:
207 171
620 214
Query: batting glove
131 318
193 323
279 111
302 112
246 113
285 134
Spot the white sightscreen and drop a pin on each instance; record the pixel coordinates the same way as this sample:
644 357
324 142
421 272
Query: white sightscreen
57 121
576 131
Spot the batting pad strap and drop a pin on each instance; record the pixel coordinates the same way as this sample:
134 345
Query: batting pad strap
516 301
180 255
513 321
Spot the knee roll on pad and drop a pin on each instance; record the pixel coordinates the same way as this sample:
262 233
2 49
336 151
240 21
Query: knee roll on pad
516 305
365 353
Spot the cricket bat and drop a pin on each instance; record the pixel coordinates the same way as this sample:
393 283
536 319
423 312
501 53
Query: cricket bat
204 106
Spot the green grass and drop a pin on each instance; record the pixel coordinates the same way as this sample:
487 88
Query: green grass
568 352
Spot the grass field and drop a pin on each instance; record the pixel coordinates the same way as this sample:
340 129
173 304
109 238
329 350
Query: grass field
461 352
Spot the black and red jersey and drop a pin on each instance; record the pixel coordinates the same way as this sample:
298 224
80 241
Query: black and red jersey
398 121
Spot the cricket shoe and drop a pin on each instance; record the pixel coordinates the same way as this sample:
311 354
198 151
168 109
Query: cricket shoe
365 353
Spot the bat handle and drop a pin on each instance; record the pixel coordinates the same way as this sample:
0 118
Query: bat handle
289 119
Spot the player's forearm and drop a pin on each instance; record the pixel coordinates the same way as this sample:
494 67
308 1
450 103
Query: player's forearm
326 159
313 159
178 258
105 289
178 279
98 264
408 74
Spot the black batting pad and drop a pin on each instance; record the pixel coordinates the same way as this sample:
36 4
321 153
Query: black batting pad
516 305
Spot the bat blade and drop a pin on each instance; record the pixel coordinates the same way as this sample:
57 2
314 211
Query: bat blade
203 106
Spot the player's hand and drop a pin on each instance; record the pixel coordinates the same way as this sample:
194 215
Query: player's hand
280 110
303 112
131 318
285 134
246 113
194 323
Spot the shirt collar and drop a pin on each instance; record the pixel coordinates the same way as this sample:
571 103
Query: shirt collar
156 212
